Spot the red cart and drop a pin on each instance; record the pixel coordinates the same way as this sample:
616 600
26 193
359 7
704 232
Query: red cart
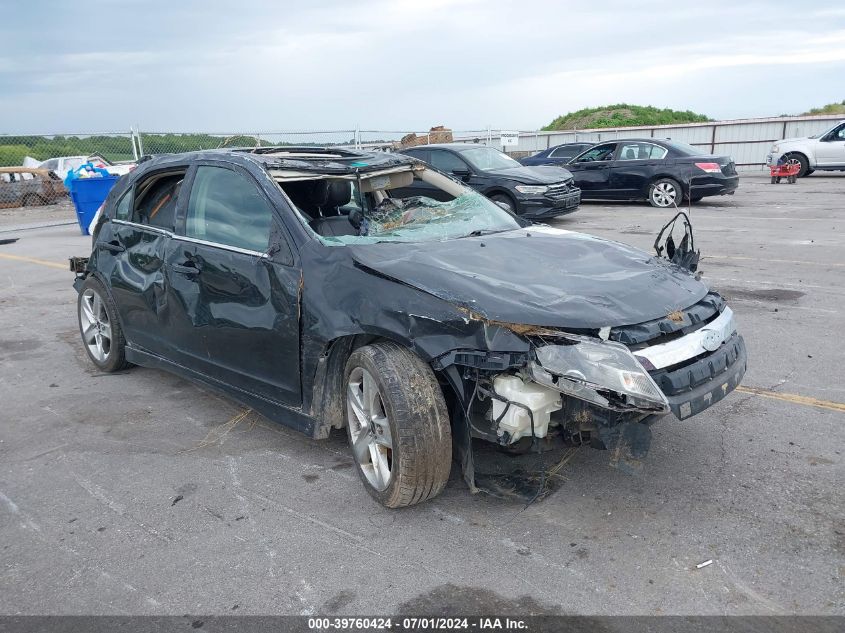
788 170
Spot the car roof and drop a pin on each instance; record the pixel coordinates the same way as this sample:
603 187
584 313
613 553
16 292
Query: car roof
655 141
454 146
299 158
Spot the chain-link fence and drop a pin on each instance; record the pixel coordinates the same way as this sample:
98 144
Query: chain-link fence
32 166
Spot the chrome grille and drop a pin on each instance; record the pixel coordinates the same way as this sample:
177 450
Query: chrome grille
560 189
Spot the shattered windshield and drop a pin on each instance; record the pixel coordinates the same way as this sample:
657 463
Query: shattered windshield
421 219
488 159
408 206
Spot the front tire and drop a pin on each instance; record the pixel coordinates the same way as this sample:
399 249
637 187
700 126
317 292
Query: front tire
665 193
100 328
802 160
506 200
398 425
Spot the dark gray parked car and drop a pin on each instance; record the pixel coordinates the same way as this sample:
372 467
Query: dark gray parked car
536 193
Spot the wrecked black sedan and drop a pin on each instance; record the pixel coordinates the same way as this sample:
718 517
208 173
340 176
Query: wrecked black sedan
297 282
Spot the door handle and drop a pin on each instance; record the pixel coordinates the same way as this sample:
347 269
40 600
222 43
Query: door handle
185 270
113 247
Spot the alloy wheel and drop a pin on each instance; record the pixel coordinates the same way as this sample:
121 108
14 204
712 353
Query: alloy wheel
369 428
96 327
664 194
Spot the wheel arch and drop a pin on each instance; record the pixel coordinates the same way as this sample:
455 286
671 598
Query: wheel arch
800 153
326 404
500 190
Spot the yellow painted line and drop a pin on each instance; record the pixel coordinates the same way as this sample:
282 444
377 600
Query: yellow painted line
794 398
772 261
33 260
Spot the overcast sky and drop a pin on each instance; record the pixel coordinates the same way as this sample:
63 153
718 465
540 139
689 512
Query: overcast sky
242 65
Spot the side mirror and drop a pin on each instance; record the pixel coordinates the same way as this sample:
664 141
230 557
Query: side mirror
463 174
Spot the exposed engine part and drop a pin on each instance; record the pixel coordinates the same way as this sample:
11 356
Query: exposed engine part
537 404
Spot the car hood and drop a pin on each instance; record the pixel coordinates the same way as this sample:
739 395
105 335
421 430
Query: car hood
532 175
797 139
539 276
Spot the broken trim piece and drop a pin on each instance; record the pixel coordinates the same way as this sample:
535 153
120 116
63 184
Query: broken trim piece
705 340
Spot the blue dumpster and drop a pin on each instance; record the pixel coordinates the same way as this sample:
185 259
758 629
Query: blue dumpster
87 195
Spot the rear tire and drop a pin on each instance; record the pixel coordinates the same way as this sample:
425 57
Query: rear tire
100 328
665 193
397 424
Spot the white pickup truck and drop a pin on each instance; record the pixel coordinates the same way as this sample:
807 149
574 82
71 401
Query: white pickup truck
825 151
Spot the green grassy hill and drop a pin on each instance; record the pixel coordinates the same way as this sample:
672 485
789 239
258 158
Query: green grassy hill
623 115
830 108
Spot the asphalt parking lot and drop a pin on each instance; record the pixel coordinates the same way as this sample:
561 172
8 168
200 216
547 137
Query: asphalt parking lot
141 493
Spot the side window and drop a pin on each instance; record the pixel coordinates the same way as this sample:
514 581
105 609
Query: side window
422 154
838 135
563 152
641 151
155 200
446 161
121 209
53 164
226 208
599 152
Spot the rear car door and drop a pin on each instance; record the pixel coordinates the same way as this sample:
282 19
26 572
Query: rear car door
635 165
234 288
591 171
830 150
130 252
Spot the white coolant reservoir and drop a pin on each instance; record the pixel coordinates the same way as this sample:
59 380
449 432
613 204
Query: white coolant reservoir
516 421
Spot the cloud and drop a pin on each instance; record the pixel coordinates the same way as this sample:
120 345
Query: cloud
402 65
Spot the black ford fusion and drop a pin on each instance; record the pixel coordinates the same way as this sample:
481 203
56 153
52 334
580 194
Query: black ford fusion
664 172
535 193
304 284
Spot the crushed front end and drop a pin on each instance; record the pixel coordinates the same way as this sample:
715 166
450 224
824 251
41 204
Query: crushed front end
606 388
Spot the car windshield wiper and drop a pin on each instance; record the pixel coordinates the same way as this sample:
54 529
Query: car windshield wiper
480 232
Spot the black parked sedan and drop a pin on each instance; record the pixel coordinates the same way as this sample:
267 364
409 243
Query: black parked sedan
557 154
301 282
664 172
532 192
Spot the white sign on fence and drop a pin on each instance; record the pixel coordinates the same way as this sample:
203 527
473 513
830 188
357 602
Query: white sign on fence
509 138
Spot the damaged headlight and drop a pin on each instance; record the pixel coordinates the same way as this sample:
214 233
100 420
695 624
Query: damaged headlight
532 189
602 372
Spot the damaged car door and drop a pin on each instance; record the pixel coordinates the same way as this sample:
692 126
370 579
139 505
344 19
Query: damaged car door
234 287
131 255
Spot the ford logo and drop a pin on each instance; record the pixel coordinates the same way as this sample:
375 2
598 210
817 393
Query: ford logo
711 341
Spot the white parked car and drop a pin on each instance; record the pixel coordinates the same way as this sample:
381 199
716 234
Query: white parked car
825 151
63 165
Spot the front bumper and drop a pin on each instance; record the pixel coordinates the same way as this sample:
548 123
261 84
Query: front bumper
694 387
542 207
684 375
